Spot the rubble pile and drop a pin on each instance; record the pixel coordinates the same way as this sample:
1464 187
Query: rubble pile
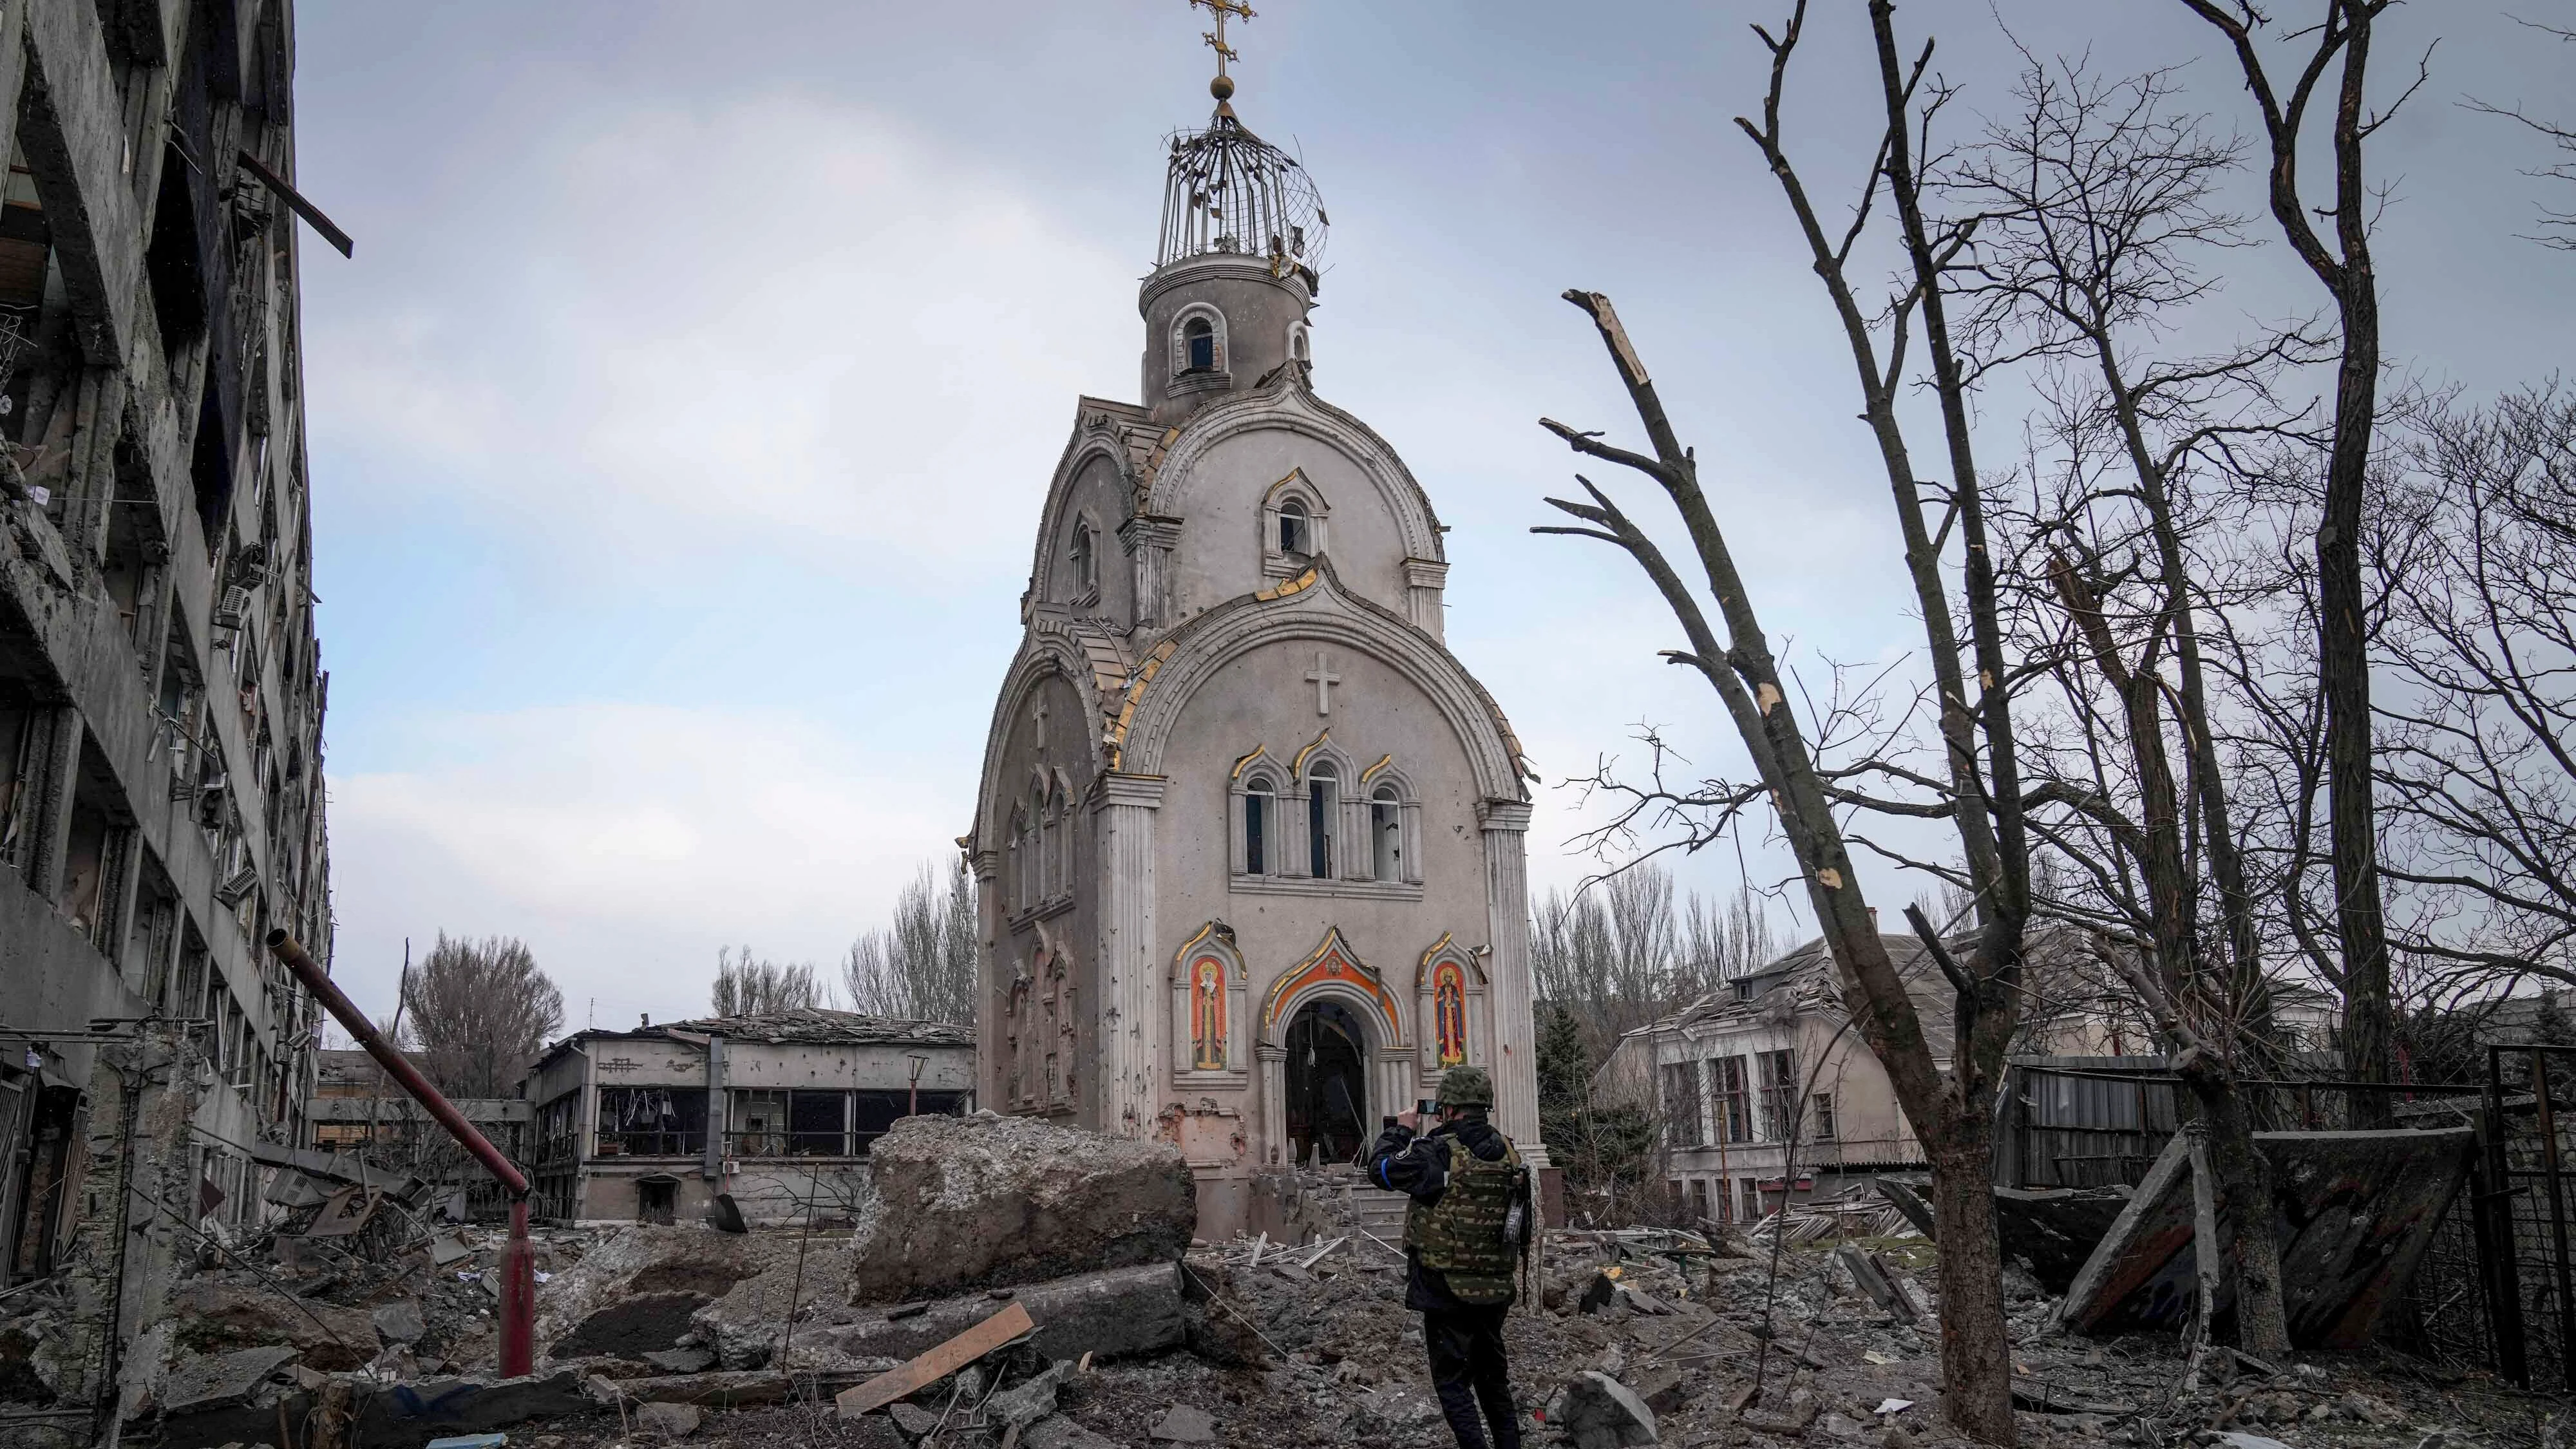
1074 1311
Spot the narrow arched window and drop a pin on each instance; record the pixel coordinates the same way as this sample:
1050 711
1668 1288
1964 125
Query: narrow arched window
1257 824
1386 835
1086 567
1041 837
1198 335
1296 529
1323 794
1297 345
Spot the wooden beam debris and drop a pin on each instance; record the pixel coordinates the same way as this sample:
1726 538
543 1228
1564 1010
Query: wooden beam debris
1002 1328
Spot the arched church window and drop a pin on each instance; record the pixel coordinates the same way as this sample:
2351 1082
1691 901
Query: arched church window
1060 820
1041 836
1323 795
1297 344
1386 835
1296 529
1259 807
1017 866
1198 338
1085 559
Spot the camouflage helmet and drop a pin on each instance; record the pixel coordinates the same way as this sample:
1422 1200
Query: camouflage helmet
1467 1087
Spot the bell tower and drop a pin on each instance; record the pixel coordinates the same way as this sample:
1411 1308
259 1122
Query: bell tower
1234 277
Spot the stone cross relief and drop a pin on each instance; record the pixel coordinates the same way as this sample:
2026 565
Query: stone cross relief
1323 678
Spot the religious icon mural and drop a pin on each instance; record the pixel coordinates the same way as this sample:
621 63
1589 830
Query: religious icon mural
1207 1014
1449 1012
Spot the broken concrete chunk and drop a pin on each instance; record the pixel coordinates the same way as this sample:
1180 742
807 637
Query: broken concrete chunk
1185 1424
1017 1408
218 1317
2239 1439
399 1321
1601 1413
1060 1432
681 1360
671 1421
215 1380
913 1422
978 1202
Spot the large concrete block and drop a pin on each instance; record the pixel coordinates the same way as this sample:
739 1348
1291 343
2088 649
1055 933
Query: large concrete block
2355 1212
967 1202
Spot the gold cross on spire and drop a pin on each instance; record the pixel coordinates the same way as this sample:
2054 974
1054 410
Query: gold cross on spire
1223 86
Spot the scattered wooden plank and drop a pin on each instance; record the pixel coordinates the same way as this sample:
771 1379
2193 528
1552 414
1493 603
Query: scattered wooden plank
938 1363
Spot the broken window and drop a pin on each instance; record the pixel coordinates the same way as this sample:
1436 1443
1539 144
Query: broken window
23 729
1296 532
1198 336
1257 811
1681 1104
1779 1077
1323 796
1734 1105
1820 1115
878 1111
1386 835
1086 561
652 1121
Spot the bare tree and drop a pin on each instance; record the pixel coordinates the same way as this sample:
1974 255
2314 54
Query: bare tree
2097 215
1722 940
747 986
2557 228
2337 47
1976 786
2478 755
479 1011
922 965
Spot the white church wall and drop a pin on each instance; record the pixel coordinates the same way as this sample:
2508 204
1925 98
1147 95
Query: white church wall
1221 546
1265 697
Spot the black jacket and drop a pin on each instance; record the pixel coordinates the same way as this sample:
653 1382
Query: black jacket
1418 1167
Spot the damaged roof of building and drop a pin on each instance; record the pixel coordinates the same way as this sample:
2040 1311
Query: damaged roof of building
805 1025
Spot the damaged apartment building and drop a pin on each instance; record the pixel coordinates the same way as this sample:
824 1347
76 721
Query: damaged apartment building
774 1111
161 694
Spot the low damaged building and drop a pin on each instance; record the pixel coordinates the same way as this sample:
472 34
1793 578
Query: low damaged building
1767 1094
776 1109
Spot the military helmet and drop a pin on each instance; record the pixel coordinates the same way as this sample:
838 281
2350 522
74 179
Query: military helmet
1467 1087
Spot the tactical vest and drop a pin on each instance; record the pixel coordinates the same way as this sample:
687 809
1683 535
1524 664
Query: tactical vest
1461 1235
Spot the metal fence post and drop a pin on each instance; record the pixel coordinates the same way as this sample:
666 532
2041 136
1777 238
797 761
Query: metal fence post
2491 1218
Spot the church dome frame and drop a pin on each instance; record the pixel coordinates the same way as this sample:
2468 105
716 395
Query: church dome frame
1228 191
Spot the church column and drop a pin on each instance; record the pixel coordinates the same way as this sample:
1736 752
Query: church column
1399 1082
1515 1063
1149 539
1273 1148
1423 581
1130 1071
990 1036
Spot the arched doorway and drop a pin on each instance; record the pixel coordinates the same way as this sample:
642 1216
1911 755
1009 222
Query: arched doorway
1327 1082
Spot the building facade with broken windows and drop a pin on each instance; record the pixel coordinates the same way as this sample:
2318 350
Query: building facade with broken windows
776 1110
1249 837
357 1108
161 695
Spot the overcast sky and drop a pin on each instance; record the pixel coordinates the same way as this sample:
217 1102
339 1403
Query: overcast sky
677 433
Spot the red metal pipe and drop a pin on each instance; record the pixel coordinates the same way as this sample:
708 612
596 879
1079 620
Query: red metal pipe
518 1264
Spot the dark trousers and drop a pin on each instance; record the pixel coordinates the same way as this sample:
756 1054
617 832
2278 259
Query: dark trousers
1467 1369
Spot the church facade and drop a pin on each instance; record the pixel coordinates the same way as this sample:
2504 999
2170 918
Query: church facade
1249 837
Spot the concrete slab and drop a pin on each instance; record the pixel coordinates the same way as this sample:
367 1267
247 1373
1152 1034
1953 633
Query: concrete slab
1116 1314
2355 1212
2055 1229
217 1380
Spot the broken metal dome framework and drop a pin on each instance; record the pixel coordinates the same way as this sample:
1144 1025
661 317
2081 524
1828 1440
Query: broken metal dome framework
1230 191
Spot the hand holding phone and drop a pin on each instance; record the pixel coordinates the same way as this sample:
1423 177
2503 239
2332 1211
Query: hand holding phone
1409 1121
